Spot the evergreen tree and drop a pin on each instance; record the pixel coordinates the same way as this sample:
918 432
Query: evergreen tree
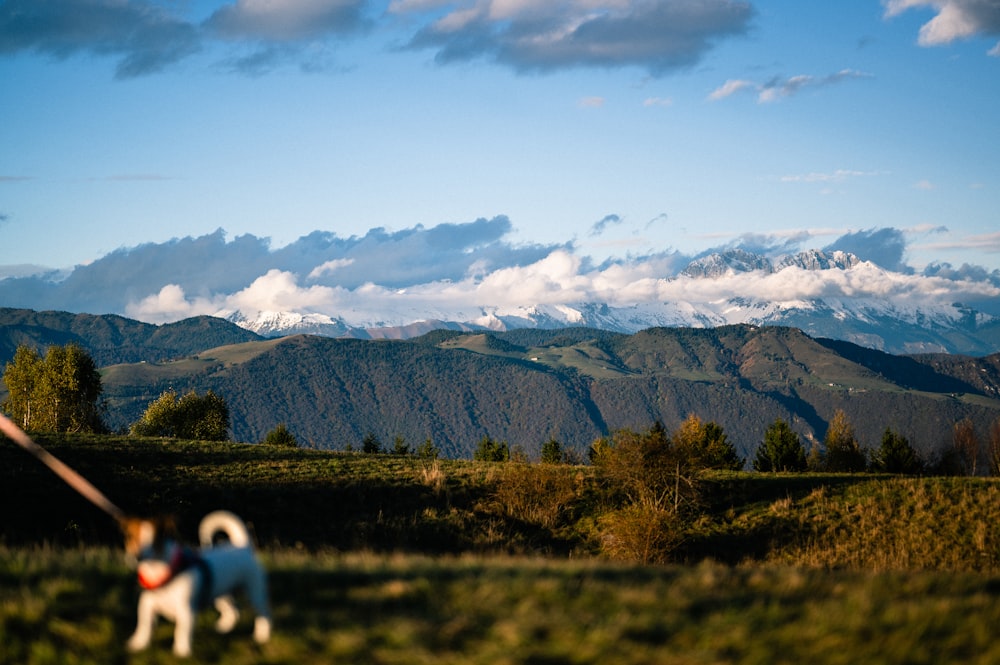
428 450
281 436
782 450
491 450
371 445
399 446
706 444
896 455
552 452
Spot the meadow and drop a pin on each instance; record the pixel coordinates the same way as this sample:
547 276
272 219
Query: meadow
382 559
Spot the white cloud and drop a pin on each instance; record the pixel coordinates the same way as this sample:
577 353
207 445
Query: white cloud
591 102
779 87
839 175
729 88
657 101
170 304
954 19
329 267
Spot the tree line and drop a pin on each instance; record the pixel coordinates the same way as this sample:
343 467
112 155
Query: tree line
61 392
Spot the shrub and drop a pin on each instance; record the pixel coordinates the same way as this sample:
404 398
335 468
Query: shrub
190 417
552 452
491 450
370 445
428 450
280 436
641 532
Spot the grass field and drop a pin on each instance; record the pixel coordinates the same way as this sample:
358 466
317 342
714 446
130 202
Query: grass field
382 559
77 606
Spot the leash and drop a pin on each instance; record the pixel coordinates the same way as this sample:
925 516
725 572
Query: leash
71 477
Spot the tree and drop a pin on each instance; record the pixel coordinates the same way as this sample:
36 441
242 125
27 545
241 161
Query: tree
842 450
491 450
58 393
428 450
399 446
782 450
896 455
965 442
280 436
190 417
552 452
995 448
371 445
21 376
707 445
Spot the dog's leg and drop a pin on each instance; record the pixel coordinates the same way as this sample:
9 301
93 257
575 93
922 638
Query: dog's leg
145 622
183 628
257 591
228 614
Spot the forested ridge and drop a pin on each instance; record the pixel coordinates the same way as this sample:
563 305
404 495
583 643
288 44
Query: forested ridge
524 386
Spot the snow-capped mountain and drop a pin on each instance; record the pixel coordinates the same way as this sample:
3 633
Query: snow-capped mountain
889 321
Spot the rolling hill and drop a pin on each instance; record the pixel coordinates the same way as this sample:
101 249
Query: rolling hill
524 386
574 385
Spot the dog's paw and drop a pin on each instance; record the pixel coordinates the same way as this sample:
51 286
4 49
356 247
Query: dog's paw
136 643
261 630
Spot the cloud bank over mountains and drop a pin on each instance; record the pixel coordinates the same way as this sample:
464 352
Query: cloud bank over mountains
473 273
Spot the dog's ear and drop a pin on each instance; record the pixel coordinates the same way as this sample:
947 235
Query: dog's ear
132 530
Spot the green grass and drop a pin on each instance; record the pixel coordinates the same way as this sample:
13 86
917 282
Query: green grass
77 606
381 559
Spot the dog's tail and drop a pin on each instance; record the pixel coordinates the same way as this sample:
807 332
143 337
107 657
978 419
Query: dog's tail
226 522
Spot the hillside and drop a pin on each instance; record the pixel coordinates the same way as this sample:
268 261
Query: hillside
111 339
574 385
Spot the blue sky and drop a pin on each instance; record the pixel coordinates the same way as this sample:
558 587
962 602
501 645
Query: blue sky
624 127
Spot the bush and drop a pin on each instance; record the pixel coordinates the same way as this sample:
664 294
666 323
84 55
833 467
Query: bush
552 452
491 450
280 436
641 532
190 417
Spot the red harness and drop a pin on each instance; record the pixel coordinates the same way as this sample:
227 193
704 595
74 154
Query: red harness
180 559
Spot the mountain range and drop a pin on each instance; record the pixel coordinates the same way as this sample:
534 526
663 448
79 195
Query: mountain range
879 322
475 277
525 385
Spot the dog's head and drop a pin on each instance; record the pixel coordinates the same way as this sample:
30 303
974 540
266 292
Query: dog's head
151 546
146 537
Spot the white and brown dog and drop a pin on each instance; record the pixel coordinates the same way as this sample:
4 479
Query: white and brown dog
177 581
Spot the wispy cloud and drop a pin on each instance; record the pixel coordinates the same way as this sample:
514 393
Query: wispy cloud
602 225
779 87
983 242
840 175
657 102
591 102
730 88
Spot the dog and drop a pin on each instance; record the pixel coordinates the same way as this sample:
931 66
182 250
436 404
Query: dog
177 581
